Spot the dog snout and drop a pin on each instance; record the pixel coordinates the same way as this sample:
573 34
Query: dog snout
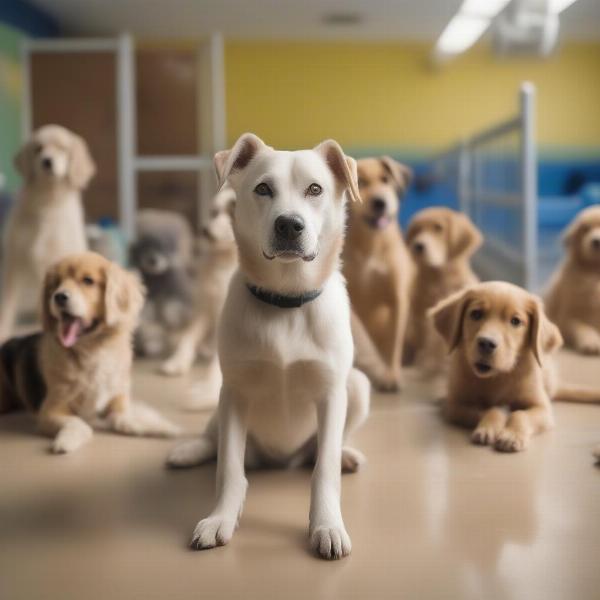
289 227
596 243
47 163
486 345
419 247
378 205
61 298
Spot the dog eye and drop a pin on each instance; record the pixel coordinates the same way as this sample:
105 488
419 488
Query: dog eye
384 179
262 189
515 321
314 189
362 182
437 227
88 280
476 314
37 149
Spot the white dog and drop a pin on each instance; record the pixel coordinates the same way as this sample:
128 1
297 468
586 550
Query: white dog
289 394
46 223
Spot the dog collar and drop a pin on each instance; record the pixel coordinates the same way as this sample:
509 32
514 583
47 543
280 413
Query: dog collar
282 301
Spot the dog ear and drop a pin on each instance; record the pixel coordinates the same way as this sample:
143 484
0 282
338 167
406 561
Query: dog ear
401 174
343 167
448 317
51 281
81 165
544 336
465 238
23 161
571 232
123 297
237 158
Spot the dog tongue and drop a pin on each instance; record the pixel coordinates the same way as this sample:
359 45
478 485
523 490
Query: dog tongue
70 330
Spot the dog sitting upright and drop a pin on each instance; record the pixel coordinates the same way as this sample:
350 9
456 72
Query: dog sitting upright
289 394
77 372
441 242
573 299
377 265
502 379
46 222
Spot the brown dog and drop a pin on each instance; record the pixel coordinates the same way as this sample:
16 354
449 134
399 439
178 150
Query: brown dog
78 369
573 299
441 242
501 378
377 266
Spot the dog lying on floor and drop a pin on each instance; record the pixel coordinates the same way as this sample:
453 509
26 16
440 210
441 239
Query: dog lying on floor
441 242
76 373
573 297
46 222
502 379
377 265
289 394
216 264
162 254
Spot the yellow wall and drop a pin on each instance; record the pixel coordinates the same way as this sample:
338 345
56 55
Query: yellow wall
376 96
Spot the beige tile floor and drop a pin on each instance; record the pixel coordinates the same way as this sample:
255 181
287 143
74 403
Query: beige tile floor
430 516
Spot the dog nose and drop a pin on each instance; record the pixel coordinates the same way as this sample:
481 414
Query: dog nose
486 345
378 205
47 163
596 243
419 247
289 227
61 298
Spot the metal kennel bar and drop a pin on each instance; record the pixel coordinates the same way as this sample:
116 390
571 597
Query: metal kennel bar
494 176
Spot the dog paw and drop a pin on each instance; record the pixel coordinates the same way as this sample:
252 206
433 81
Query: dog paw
212 532
172 368
591 347
330 543
597 454
485 436
190 454
71 437
389 382
511 441
352 460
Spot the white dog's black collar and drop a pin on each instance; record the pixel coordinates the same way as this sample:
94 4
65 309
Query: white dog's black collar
283 301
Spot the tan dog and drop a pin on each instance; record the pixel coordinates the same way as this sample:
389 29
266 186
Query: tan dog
502 379
46 222
441 242
77 372
377 266
573 298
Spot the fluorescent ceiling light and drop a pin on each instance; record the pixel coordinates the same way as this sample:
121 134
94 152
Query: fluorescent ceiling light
484 8
557 6
461 33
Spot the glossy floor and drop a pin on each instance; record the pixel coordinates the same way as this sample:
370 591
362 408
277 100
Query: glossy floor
430 516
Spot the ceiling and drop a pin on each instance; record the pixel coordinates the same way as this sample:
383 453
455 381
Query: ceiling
379 19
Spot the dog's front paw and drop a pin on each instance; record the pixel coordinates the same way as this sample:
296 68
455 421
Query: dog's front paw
71 437
588 342
330 543
172 368
509 440
388 382
485 436
212 532
352 459
597 454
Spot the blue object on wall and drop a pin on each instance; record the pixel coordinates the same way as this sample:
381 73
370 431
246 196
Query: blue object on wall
26 17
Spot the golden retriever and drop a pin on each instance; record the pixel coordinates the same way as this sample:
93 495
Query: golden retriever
502 379
76 373
441 242
573 297
46 222
377 265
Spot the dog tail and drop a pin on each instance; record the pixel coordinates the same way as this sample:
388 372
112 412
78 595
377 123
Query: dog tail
578 394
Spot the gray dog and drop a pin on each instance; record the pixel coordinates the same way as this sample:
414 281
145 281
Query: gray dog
163 256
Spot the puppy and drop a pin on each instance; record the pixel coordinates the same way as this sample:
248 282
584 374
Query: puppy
216 264
76 373
502 378
162 253
46 222
573 297
289 394
377 265
441 242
